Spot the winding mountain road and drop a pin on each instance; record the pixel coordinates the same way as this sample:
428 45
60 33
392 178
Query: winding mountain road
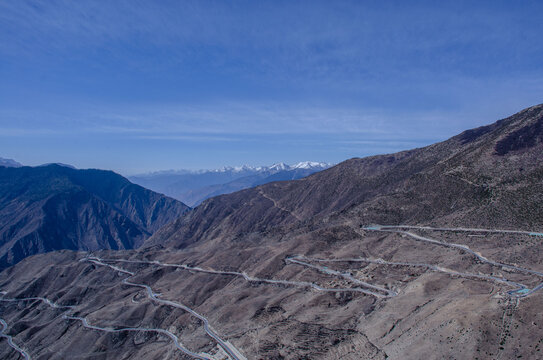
36 298
42 299
518 293
172 336
3 334
277 205
520 232
225 345
86 324
520 290
298 259
388 293
431 267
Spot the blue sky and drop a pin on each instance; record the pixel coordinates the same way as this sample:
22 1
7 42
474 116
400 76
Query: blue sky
136 86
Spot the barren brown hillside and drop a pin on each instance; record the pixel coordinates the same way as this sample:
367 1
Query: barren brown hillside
430 253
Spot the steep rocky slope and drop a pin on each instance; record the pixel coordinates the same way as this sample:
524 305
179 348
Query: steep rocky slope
487 176
296 270
55 207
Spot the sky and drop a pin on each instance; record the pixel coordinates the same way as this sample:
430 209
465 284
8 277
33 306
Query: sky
137 86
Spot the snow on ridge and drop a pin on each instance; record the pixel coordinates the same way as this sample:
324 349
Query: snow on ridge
306 165
281 166
311 165
9 163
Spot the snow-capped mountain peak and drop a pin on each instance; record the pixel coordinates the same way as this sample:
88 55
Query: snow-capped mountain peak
9 163
306 165
244 169
279 167
193 186
311 165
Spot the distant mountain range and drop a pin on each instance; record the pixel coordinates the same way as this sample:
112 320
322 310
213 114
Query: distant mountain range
52 207
9 163
193 187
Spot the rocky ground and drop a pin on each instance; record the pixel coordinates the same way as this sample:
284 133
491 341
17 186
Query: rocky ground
303 270
435 314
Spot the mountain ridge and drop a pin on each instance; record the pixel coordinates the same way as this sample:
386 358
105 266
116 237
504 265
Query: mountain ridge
276 166
192 187
9 163
437 170
54 207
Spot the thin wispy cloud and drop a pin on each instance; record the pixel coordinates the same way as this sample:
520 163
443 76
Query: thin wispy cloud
232 119
337 41
197 138
134 78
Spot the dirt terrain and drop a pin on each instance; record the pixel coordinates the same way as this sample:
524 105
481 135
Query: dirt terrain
307 269
265 320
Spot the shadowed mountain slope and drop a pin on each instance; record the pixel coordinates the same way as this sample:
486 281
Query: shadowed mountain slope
55 207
